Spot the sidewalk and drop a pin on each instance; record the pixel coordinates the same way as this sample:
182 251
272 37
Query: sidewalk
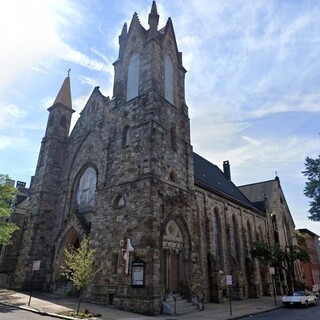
53 305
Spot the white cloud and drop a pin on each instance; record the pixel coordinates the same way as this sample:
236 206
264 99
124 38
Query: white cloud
4 142
9 115
84 61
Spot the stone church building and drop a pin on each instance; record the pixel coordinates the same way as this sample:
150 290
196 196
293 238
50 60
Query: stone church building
162 218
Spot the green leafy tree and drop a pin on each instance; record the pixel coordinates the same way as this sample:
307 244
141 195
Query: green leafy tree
312 187
7 198
275 256
79 266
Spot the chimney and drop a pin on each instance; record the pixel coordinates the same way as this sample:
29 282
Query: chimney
226 169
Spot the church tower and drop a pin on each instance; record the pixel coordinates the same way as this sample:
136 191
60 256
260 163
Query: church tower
148 192
149 83
45 187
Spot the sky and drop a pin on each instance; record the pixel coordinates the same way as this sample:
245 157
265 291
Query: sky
252 85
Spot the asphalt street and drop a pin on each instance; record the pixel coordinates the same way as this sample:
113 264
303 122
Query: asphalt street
292 313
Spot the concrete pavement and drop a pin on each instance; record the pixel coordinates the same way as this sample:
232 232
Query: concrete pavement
58 306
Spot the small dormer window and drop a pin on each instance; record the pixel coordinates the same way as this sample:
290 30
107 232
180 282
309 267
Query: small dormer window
168 75
133 76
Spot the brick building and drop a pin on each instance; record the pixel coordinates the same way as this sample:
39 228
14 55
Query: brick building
127 175
312 268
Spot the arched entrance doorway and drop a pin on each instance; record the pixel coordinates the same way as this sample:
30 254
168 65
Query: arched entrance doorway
71 238
173 257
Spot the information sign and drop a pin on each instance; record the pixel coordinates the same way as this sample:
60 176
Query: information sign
137 273
36 265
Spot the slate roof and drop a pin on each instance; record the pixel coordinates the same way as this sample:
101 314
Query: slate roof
209 176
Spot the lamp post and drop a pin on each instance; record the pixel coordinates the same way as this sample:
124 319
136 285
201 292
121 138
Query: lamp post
290 264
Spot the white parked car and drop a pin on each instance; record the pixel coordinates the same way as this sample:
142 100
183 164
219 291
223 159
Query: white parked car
301 298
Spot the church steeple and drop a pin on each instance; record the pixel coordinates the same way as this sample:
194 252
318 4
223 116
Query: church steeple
64 95
53 144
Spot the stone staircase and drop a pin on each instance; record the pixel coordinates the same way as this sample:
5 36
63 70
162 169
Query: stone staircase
180 306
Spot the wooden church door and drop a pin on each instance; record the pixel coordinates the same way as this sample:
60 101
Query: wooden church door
172 245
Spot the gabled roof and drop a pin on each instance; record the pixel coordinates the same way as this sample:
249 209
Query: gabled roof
209 176
256 192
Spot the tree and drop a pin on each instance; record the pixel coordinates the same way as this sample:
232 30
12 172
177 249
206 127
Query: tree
312 187
7 198
275 256
79 266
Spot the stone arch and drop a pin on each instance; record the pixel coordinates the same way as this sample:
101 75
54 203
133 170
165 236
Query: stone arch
175 243
70 238
83 195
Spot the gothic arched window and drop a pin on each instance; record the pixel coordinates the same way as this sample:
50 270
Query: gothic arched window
63 122
216 236
126 136
133 76
173 138
86 190
234 238
168 76
120 201
249 237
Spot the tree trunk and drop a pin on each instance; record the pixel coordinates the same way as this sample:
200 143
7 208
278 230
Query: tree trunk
79 300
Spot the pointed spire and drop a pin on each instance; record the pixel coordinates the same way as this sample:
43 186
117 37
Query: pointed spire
153 17
124 31
154 10
64 95
122 39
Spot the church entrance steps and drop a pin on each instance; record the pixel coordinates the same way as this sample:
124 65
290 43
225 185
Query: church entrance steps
176 304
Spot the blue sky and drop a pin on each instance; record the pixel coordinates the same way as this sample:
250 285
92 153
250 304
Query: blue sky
252 85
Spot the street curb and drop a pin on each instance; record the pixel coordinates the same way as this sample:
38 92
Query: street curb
54 315
254 314
42 313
